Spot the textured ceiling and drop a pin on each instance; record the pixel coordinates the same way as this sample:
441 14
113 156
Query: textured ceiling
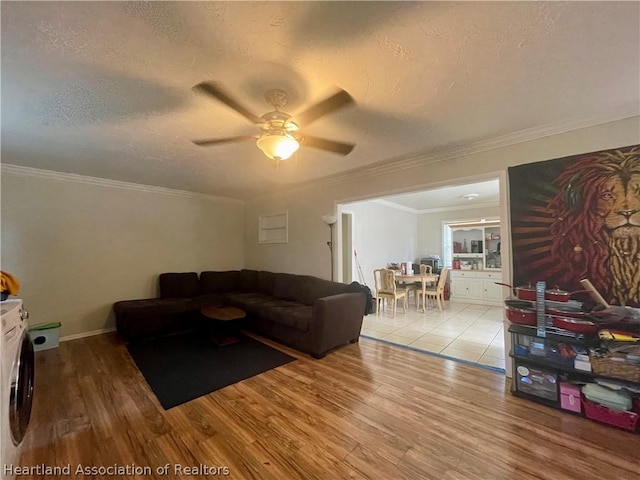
449 198
104 88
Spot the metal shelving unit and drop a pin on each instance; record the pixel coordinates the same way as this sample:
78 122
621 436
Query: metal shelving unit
537 375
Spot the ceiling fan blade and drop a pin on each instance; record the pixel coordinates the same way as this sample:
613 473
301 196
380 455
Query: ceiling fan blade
328 145
214 90
336 101
218 141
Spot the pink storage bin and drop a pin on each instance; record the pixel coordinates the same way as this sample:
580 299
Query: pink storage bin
570 397
617 418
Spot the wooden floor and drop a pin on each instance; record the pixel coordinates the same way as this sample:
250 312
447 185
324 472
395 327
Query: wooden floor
366 411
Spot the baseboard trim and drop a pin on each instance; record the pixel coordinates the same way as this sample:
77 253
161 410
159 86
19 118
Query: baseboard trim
75 336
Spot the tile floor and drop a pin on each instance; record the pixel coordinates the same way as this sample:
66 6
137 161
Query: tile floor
469 332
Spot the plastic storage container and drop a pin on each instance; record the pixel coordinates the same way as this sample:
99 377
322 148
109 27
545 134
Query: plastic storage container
45 336
536 381
570 397
617 418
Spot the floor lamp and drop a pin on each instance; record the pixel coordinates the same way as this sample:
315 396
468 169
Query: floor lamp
331 221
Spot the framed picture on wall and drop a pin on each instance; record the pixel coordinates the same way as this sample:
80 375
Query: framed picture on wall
578 217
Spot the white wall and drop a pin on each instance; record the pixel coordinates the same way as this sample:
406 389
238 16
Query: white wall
430 226
382 235
77 248
306 251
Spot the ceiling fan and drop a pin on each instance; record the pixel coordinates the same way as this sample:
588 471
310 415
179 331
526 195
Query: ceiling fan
281 136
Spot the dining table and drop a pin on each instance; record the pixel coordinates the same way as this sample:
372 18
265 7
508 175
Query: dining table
414 278
422 280
408 279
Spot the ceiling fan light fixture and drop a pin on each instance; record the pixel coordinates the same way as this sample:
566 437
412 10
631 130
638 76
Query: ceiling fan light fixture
279 139
278 146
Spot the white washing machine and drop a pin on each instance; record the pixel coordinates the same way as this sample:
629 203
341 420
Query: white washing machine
16 389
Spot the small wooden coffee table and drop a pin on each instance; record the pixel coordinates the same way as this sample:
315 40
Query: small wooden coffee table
227 331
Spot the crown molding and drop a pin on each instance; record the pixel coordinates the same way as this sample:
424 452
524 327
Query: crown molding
404 208
407 162
460 207
103 182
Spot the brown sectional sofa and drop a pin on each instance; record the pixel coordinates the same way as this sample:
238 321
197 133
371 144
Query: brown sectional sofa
307 313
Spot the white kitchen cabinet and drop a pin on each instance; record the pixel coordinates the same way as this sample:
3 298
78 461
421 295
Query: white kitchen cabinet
476 286
492 292
475 289
460 288
477 245
476 251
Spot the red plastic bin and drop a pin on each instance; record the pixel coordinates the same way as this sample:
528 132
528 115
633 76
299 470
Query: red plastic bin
617 418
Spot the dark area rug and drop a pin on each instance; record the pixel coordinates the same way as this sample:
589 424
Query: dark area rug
180 368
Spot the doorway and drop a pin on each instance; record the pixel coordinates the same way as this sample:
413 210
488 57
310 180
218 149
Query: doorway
347 246
399 228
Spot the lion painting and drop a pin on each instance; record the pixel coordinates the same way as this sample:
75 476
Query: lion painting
595 227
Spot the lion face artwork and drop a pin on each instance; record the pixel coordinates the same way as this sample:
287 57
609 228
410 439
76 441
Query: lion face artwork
588 228
619 204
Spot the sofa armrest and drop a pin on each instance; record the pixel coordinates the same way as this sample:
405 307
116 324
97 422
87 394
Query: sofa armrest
337 319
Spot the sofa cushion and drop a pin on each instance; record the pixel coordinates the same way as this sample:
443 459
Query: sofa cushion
179 285
291 287
219 282
152 307
208 300
248 281
266 282
292 315
251 303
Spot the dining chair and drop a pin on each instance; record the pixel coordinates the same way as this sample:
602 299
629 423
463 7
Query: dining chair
415 287
436 293
426 270
418 287
385 283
